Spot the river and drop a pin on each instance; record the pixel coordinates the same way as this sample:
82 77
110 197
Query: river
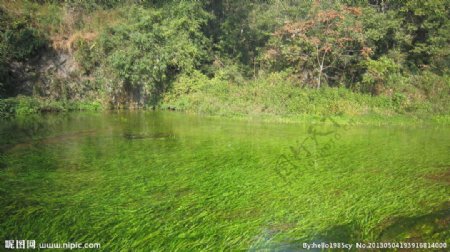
169 181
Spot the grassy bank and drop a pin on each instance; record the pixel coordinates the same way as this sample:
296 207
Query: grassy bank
23 105
276 98
271 99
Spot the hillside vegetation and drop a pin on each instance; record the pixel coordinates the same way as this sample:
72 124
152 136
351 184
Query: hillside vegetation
225 57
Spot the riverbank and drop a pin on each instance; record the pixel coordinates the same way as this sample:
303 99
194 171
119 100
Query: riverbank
272 98
275 98
27 106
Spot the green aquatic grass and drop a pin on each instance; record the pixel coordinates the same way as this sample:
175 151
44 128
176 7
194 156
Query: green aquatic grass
169 181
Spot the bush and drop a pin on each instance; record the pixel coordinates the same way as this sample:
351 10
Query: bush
433 85
22 41
24 106
378 74
160 44
231 73
27 106
187 83
86 57
8 107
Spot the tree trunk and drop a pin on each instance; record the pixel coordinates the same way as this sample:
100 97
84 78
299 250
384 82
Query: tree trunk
319 78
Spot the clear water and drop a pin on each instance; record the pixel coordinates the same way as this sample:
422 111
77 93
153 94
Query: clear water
171 181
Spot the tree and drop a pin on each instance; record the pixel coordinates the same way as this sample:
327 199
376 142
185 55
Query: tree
152 47
428 24
328 42
19 41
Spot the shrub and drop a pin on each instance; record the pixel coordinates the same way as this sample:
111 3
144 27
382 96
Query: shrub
188 83
8 107
23 41
27 106
378 73
160 44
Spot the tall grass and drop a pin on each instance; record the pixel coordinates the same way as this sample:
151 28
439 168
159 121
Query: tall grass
276 95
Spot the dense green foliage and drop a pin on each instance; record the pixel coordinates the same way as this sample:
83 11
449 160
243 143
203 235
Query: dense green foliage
160 43
136 53
18 42
24 106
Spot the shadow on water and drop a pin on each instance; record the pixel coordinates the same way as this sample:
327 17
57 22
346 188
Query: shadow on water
440 177
341 233
155 135
431 227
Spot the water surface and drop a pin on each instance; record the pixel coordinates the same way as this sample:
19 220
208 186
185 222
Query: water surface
170 181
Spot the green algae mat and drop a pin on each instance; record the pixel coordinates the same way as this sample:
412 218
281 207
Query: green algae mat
161 181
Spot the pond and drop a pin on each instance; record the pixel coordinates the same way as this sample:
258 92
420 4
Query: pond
170 181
